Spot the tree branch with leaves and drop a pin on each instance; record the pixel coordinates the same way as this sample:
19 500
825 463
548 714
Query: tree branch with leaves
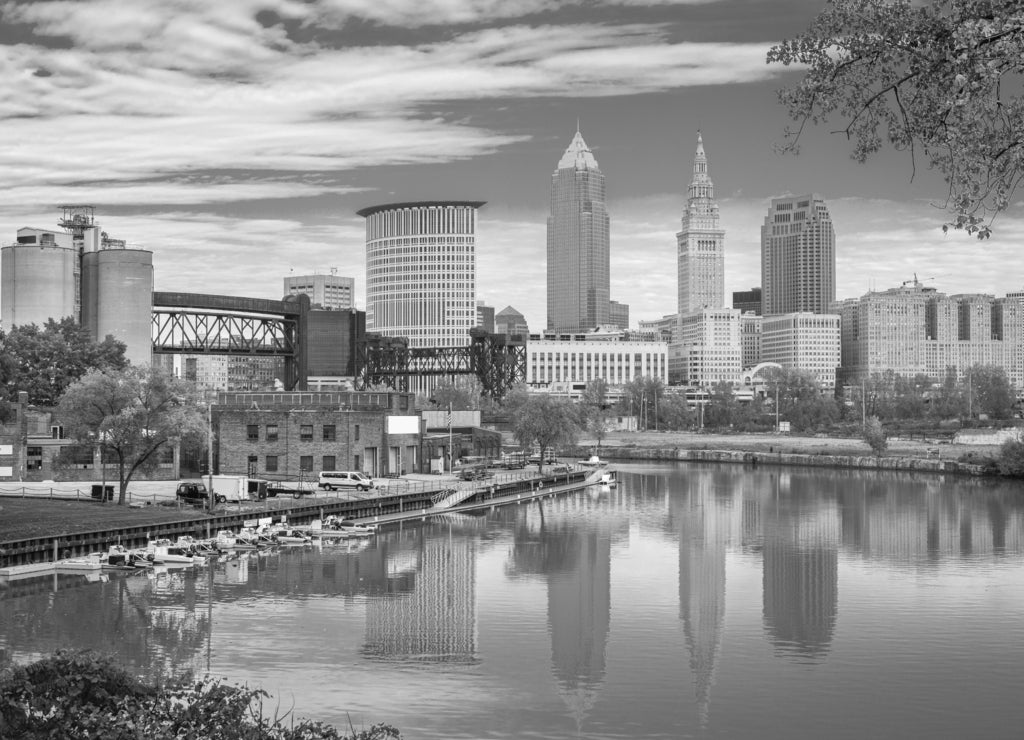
942 80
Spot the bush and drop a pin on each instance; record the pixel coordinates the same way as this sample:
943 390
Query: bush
74 695
1011 459
874 435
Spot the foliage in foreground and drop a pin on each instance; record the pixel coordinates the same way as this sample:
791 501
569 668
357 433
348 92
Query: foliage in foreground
86 695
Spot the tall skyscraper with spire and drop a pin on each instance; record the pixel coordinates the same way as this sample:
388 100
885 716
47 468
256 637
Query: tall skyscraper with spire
701 243
578 263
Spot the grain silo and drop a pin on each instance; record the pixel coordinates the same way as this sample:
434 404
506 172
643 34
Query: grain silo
117 297
38 278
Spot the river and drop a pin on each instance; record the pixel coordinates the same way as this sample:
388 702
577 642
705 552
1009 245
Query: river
690 601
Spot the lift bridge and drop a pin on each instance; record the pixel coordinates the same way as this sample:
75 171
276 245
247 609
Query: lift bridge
192 323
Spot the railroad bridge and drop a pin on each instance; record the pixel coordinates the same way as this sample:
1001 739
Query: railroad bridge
194 323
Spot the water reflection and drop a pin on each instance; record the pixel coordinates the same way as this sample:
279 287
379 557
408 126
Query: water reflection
770 578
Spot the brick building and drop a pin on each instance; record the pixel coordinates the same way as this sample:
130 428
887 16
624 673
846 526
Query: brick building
293 436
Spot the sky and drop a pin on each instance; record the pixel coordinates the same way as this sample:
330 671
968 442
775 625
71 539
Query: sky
236 139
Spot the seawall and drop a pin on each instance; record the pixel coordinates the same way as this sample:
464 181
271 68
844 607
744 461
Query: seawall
860 462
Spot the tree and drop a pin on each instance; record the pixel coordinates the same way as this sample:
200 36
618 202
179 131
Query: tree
135 414
874 435
595 409
641 397
461 394
940 79
1011 458
722 406
543 420
990 391
801 402
44 362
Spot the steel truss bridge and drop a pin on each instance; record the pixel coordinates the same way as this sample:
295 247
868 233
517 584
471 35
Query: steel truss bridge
197 324
498 362
194 323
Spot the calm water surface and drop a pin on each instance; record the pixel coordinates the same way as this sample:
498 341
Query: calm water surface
690 601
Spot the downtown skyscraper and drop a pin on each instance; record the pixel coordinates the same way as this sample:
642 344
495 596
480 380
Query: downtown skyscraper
798 256
578 261
701 243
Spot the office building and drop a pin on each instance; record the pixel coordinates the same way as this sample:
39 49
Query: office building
664 328
798 256
421 271
331 292
803 341
618 314
485 317
747 300
709 348
701 243
565 363
578 261
510 322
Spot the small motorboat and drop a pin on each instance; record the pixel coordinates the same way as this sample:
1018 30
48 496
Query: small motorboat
119 557
290 537
349 527
592 462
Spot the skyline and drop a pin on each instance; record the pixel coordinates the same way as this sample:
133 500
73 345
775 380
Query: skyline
215 135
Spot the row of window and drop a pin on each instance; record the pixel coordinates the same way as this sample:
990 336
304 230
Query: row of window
328 462
329 433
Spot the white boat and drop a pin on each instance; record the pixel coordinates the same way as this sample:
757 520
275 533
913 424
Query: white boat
592 462
608 479
164 552
28 570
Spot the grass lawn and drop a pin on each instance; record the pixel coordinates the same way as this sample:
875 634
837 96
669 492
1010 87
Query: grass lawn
22 518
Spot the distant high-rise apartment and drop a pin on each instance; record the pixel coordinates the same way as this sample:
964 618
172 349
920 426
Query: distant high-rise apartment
804 341
332 292
701 243
578 261
485 316
618 314
421 271
798 256
709 349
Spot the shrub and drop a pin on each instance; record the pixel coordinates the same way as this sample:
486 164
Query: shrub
874 434
86 695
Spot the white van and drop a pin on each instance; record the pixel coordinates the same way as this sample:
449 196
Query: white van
331 479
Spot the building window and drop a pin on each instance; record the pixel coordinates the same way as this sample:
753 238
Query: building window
357 437
252 432
306 432
271 463
251 467
271 432
34 459
355 462
330 462
329 435
306 464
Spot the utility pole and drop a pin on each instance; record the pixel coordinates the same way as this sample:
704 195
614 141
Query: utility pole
209 454
863 403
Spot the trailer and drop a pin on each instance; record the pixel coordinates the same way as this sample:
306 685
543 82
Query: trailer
238 488
295 489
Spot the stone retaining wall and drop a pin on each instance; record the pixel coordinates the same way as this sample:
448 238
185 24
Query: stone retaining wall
863 462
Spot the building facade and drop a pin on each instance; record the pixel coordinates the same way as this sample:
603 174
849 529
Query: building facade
701 243
618 314
579 358
330 292
798 256
709 349
485 317
294 436
803 341
663 328
421 271
751 325
917 330
577 243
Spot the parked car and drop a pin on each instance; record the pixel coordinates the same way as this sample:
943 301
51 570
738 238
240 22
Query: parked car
195 493
342 479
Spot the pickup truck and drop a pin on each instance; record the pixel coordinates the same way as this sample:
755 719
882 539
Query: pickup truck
196 494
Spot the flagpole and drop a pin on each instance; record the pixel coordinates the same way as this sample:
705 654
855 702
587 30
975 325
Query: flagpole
450 468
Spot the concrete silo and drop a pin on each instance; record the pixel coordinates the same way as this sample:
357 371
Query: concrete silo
38 279
117 299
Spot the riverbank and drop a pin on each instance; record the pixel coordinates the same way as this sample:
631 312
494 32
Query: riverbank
785 449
